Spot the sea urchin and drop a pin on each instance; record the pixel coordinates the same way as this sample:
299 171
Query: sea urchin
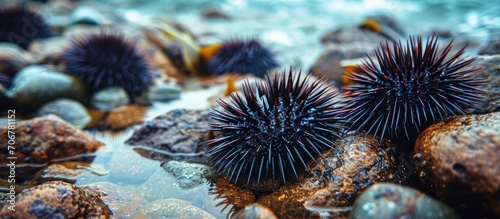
107 60
242 56
273 129
409 87
21 25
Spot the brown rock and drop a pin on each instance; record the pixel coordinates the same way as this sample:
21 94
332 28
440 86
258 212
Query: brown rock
355 164
178 131
43 139
117 119
491 74
67 172
56 200
121 201
255 211
347 35
329 64
459 161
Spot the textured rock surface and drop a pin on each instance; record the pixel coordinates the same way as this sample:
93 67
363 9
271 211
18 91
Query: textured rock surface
255 211
122 202
117 119
56 200
43 139
177 132
385 200
492 48
491 74
459 160
172 208
356 164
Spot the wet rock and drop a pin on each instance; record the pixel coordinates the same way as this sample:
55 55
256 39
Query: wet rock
43 139
164 92
329 64
347 35
56 200
68 110
385 200
491 74
178 183
49 49
117 119
87 15
172 208
36 85
13 58
109 98
491 48
188 175
181 134
355 164
122 202
458 161
67 172
255 211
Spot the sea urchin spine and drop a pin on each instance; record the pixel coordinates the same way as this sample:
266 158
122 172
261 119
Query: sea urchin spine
409 87
242 56
107 60
273 129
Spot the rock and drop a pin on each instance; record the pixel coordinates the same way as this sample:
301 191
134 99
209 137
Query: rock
179 133
56 200
491 74
330 66
231 195
178 183
215 14
122 202
68 110
188 175
164 92
109 98
48 49
67 172
458 161
117 119
491 48
254 211
87 15
172 208
347 35
40 140
36 85
385 200
13 58
355 164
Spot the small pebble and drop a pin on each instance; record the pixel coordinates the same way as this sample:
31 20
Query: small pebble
69 110
109 98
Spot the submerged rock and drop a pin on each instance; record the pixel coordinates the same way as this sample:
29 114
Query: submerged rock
459 161
68 110
172 208
254 211
355 164
385 200
117 119
56 200
188 175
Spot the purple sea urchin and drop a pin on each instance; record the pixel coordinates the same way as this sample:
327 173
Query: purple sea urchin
409 87
21 25
108 60
242 56
274 129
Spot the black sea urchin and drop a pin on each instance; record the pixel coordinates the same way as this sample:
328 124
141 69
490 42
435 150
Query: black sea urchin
21 25
242 56
273 130
108 60
409 87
